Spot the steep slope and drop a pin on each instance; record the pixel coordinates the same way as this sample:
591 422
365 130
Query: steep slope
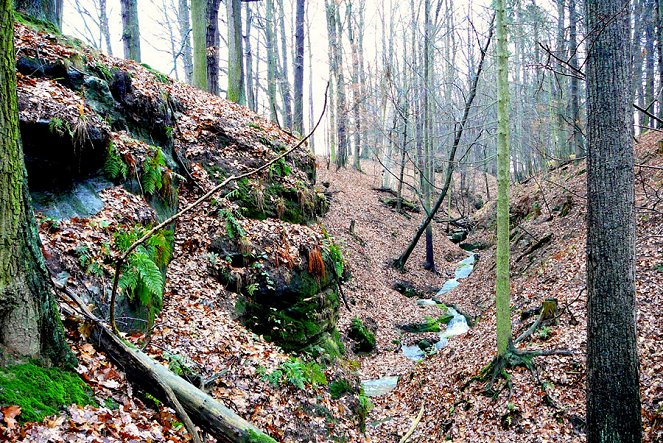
548 239
112 148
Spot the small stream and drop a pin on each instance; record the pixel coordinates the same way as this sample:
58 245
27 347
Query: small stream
456 326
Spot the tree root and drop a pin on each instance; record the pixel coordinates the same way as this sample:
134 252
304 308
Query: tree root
496 371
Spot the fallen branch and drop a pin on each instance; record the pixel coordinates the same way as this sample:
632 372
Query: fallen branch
123 258
416 421
538 244
193 406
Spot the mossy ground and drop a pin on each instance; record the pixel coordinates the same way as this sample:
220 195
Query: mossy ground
41 392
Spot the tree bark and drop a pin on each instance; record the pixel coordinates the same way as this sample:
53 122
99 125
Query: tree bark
235 92
578 149
356 90
184 23
248 54
130 29
29 321
298 117
199 30
270 43
103 24
286 94
213 41
49 11
613 395
502 306
335 32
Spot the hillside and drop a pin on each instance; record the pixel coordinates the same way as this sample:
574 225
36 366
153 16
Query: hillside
547 250
271 290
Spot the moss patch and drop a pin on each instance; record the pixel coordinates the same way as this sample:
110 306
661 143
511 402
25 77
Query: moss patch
363 337
252 436
41 392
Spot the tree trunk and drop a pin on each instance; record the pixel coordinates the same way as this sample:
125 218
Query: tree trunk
49 11
335 31
577 149
185 38
213 41
649 24
298 117
284 77
613 395
502 309
235 91
104 27
130 29
356 90
560 82
199 30
270 43
29 320
659 49
248 54
310 85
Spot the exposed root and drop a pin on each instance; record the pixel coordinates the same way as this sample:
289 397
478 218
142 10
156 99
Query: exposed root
497 378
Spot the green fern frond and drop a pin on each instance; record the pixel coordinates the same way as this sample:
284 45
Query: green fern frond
114 167
149 272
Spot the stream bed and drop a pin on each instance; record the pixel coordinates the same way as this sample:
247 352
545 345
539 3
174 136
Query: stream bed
457 325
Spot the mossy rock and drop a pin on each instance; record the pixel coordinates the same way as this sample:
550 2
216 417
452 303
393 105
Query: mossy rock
300 325
41 392
429 325
407 289
363 337
299 205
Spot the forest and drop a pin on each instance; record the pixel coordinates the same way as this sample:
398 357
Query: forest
331 221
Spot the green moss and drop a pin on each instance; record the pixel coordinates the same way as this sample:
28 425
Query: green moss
41 392
364 338
364 406
340 387
160 77
252 436
36 24
429 325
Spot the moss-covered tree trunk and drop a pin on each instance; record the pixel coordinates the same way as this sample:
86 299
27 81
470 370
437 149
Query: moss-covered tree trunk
29 320
235 90
503 310
270 45
130 29
613 394
199 31
47 10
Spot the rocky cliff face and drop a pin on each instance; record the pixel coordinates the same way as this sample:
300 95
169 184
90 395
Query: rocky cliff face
113 147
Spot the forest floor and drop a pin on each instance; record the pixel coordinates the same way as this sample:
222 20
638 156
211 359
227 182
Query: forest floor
545 404
198 327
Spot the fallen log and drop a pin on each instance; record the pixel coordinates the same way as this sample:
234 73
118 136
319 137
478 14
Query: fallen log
206 412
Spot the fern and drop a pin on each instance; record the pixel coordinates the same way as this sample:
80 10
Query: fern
114 167
153 169
148 271
141 277
233 228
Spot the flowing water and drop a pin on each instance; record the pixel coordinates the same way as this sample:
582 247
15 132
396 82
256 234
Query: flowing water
456 326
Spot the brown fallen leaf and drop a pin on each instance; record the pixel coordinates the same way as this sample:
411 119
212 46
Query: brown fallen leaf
10 413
